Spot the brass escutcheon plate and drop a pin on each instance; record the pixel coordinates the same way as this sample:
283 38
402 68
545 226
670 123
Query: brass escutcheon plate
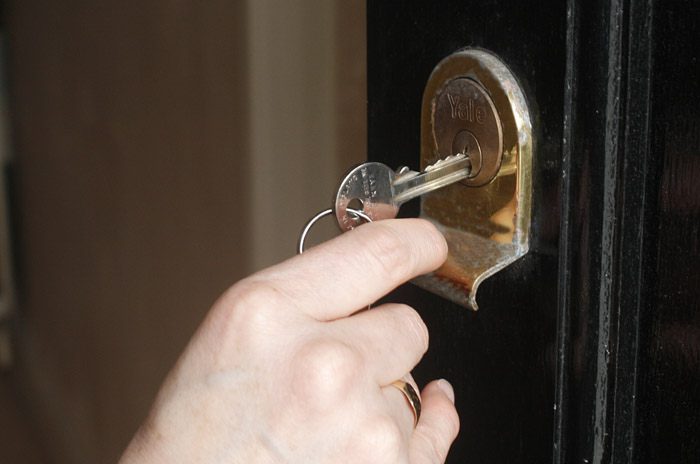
472 103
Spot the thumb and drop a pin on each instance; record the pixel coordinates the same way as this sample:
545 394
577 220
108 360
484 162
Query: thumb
437 427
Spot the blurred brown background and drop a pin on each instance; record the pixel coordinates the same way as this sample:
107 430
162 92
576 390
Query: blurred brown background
159 150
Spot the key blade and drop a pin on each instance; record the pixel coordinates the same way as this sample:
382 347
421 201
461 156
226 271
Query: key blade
439 174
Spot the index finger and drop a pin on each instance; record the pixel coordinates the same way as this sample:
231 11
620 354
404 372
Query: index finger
338 277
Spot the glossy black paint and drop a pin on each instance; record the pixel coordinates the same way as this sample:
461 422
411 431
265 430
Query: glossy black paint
587 349
669 402
608 179
501 359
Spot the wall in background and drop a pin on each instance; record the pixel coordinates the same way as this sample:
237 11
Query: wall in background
158 149
307 125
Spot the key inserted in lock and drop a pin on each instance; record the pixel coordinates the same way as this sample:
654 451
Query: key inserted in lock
473 105
381 191
466 122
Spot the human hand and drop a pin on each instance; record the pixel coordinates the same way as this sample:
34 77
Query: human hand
284 368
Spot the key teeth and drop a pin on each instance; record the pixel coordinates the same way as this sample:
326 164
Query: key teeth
443 161
404 174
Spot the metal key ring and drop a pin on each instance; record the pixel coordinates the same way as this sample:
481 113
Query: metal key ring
302 238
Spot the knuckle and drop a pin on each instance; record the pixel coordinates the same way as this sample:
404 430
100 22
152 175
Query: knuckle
250 302
324 372
243 312
254 294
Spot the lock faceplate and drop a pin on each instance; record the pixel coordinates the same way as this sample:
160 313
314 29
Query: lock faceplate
473 104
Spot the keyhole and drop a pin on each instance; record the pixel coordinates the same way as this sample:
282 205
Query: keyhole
465 143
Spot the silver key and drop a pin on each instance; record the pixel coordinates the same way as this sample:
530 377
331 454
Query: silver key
381 190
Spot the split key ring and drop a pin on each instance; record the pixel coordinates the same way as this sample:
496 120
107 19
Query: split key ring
302 238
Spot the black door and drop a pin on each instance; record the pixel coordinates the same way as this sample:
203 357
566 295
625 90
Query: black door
586 350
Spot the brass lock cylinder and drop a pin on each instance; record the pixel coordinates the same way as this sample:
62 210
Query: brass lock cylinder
466 121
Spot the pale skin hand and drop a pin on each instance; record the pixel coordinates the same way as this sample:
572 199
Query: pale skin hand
284 368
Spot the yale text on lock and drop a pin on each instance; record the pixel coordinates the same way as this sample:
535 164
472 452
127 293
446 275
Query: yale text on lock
466 110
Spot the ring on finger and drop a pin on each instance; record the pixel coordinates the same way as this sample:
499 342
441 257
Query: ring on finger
412 398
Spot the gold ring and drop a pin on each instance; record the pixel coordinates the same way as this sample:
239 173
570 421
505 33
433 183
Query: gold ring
412 397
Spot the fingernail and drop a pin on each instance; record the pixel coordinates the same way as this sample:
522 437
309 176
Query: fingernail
447 389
